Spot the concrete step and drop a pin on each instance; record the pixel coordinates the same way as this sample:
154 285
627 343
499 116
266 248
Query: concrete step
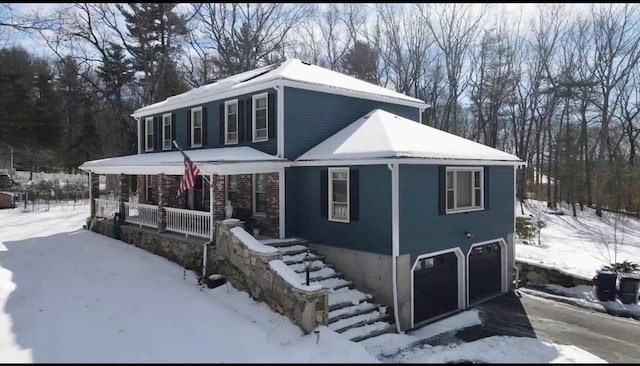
334 283
300 258
346 297
315 266
351 310
284 243
320 275
357 321
359 334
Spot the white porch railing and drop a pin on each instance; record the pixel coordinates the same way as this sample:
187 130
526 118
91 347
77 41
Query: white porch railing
106 208
141 214
188 222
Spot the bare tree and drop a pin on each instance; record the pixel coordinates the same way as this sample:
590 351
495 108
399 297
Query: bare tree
454 27
617 51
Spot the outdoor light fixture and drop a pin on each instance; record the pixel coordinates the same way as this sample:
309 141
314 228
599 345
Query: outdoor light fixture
468 235
307 265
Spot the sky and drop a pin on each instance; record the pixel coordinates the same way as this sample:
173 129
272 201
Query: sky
70 295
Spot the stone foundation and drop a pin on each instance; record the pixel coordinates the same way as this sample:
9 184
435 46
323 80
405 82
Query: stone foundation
531 274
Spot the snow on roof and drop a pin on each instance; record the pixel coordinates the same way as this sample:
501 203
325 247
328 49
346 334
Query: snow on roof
293 70
172 162
380 135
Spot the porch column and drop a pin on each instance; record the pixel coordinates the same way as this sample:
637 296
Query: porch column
211 219
124 195
217 197
163 196
94 185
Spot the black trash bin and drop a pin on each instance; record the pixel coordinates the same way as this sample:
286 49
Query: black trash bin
116 226
629 286
606 285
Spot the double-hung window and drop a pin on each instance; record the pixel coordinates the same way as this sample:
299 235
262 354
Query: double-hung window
260 118
231 122
232 189
166 131
464 189
339 194
148 133
196 127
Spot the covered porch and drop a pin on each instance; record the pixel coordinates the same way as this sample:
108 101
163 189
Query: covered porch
143 188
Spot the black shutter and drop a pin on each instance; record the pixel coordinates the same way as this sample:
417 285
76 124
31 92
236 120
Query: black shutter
442 190
324 193
354 195
221 126
158 134
143 135
271 117
241 116
248 127
486 188
173 129
205 122
188 144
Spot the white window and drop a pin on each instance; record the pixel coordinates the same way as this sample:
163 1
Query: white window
232 189
148 132
464 189
339 194
231 122
148 188
260 118
196 127
166 131
259 196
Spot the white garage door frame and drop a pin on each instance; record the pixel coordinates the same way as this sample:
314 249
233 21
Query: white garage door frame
503 264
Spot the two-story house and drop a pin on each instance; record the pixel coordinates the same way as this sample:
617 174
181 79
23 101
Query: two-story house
421 218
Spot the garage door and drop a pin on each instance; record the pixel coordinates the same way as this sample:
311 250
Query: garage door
485 271
435 281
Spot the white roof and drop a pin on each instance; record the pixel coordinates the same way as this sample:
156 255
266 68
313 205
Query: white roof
293 70
227 160
382 135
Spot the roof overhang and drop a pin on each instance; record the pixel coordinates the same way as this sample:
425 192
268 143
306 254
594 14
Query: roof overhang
391 160
219 161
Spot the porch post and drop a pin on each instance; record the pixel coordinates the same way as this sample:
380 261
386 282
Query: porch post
163 190
211 219
94 184
124 195
281 198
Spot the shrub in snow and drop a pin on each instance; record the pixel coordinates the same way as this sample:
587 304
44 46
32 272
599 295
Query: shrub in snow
622 267
527 229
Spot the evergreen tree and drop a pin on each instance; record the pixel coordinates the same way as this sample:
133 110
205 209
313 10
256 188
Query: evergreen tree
361 61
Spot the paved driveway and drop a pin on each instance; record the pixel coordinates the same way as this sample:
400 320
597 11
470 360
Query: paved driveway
611 338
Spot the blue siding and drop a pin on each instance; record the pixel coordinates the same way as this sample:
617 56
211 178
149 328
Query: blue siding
310 117
423 230
371 233
213 126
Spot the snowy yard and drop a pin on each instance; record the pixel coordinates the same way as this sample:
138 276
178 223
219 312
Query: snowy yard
70 295
580 245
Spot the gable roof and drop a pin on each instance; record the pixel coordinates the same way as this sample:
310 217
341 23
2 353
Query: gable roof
293 72
383 135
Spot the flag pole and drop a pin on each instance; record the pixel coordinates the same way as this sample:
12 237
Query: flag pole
183 153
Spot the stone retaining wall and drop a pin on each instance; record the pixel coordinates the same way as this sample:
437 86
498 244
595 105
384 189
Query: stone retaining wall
249 270
540 276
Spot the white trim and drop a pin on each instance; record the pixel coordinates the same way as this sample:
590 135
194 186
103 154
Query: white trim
211 217
146 134
395 237
330 194
280 120
193 111
205 168
164 138
455 170
253 121
503 264
226 122
426 161
254 186
139 120
281 198
462 298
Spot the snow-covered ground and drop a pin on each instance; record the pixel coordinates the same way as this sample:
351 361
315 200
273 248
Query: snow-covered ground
580 245
70 295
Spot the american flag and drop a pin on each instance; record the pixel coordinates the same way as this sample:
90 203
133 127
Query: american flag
191 171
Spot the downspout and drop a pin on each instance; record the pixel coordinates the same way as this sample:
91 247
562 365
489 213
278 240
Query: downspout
395 237
279 120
